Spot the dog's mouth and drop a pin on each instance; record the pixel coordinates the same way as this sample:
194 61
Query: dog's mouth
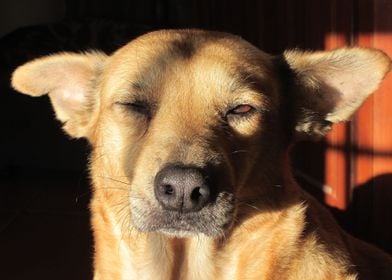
212 220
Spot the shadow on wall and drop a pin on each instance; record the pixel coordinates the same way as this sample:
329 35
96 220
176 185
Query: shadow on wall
369 215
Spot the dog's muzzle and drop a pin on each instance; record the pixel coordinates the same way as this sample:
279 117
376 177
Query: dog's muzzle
188 200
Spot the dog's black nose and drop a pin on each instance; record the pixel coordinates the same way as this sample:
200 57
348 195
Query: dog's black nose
181 188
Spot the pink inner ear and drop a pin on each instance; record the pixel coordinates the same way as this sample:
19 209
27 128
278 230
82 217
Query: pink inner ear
349 74
70 89
66 77
355 85
68 100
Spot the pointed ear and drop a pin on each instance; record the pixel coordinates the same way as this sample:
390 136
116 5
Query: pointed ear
328 87
70 80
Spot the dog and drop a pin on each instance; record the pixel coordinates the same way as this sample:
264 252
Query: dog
190 132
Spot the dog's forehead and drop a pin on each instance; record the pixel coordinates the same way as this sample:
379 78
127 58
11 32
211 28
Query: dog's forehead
207 56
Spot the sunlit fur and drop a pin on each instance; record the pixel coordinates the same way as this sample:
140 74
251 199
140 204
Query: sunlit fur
168 97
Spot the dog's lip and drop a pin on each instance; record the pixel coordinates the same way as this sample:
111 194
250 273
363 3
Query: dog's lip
183 226
178 231
211 220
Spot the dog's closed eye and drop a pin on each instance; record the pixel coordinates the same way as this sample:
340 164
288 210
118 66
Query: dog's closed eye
243 118
241 109
140 107
240 112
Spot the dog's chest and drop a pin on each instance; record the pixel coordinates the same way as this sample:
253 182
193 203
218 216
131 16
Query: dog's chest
181 259
160 258
198 258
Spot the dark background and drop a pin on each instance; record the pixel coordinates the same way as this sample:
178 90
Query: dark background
44 192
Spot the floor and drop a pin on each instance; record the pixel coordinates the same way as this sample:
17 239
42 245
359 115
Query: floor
44 226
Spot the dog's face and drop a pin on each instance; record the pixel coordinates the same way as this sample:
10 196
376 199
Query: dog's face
183 122
192 125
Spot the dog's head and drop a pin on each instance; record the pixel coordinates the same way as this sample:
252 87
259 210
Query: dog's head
187 126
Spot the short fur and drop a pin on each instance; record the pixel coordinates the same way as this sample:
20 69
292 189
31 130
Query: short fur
215 102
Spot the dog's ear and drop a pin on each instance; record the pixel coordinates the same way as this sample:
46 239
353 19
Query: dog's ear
70 80
328 86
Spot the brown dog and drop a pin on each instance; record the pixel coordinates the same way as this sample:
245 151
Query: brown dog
190 133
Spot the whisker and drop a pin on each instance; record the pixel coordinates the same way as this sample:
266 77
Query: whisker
115 180
98 157
240 151
79 196
251 206
112 188
125 225
123 203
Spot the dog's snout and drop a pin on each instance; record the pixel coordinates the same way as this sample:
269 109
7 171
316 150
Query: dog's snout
181 188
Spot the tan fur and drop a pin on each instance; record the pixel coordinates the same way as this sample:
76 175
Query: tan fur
168 97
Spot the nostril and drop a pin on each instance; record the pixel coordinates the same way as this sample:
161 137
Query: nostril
199 193
196 194
199 197
168 189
